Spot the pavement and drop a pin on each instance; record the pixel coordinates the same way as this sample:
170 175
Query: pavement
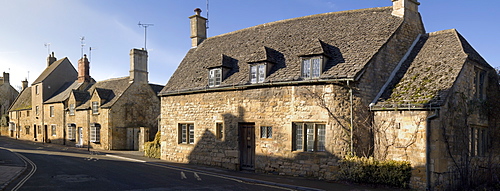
12 166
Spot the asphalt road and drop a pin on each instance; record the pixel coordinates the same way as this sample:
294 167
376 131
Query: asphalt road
56 169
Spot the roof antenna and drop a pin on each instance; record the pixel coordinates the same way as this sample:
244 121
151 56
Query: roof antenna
82 38
47 45
145 31
207 16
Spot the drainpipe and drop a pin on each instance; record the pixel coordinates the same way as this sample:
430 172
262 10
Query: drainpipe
427 148
351 116
88 128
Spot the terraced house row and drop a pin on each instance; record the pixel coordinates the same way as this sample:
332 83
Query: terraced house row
66 106
292 97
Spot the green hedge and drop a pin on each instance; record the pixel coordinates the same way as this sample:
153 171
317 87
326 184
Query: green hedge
152 149
369 170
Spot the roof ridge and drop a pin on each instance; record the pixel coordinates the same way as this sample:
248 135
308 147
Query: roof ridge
299 18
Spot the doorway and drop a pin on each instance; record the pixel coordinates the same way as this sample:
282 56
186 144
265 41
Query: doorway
133 138
247 145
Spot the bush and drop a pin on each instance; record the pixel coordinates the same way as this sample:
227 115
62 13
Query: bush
369 170
152 149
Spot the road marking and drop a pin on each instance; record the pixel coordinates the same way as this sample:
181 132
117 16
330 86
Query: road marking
125 158
28 176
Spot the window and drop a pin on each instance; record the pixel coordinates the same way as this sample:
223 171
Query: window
480 83
36 90
95 107
51 111
72 132
219 131
312 67
27 113
479 141
95 133
37 110
257 73
308 137
27 127
53 130
266 132
72 109
186 133
215 77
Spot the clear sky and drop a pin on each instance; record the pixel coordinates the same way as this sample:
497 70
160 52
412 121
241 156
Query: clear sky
110 28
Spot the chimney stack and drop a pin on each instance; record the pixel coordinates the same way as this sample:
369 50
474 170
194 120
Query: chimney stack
139 66
51 59
407 9
6 77
83 69
198 28
24 84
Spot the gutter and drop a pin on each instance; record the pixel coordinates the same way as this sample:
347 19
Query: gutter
258 85
428 149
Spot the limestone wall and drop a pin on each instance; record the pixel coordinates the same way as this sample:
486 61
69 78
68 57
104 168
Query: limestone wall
277 107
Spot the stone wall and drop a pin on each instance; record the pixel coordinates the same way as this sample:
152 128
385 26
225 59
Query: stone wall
277 107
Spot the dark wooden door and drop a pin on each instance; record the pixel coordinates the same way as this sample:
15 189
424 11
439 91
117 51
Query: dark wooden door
247 145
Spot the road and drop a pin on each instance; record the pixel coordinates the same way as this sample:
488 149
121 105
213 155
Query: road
59 169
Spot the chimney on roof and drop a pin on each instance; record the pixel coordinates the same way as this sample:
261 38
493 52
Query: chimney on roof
139 66
83 69
198 28
51 59
6 77
407 9
24 84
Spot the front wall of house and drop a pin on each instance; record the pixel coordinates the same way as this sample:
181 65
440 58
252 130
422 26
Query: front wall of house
56 119
401 135
277 107
138 107
23 121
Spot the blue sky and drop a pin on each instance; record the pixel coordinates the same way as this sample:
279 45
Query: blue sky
111 28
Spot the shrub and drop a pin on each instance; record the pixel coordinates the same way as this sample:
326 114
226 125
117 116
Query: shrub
152 149
369 170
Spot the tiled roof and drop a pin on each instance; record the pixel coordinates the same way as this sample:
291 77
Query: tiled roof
349 38
64 92
109 90
50 69
23 101
430 71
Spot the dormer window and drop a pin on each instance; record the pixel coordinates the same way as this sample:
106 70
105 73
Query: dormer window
258 73
214 77
312 67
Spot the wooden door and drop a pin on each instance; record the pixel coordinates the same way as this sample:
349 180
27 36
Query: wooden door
247 145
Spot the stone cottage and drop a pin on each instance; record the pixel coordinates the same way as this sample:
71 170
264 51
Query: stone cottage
292 97
119 113
7 96
439 111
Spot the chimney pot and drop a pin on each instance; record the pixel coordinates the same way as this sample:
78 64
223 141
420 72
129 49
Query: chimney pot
197 11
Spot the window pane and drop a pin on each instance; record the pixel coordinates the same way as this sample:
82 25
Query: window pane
263 132
183 133
269 132
253 74
218 76
211 78
191 133
310 137
262 73
316 68
306 68
299 137
321 137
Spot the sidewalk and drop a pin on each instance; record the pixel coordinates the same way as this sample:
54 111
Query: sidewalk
11 166
293 183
